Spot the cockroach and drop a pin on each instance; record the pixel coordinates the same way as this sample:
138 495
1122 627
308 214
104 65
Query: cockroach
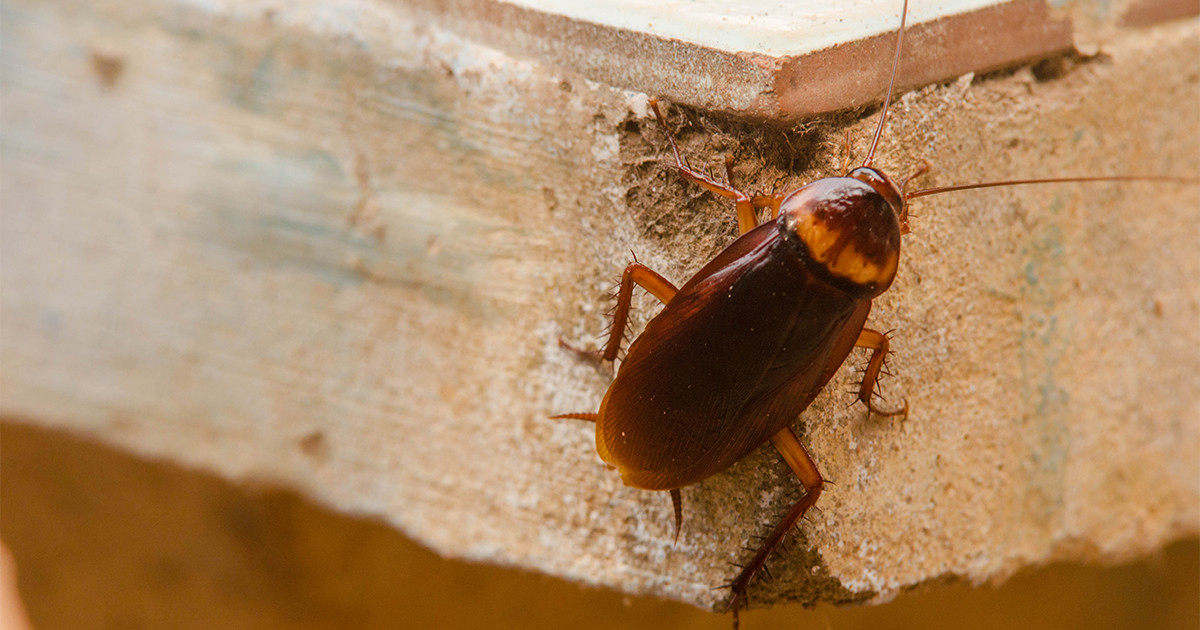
743 347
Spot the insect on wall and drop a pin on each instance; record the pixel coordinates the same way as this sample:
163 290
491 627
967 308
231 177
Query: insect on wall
677 217
1005 305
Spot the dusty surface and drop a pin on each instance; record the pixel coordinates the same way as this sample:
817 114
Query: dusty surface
336 254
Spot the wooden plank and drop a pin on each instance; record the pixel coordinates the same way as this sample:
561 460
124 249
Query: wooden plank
759 58
334 245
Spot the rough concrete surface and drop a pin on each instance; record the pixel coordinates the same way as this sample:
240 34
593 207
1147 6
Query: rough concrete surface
334 246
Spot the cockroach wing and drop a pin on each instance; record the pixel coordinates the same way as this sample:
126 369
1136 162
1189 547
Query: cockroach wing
733 358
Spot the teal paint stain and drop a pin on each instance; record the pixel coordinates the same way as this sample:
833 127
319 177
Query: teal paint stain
486 147
290 212
1044 344
254 94
1031 274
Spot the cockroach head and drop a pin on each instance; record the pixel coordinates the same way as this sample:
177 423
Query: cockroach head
848 228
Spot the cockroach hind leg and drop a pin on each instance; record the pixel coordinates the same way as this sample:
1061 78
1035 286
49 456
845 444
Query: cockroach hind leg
735 602
798 460
737 599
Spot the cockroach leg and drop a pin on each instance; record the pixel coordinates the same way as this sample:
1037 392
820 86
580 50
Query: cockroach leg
878 343
589 417
729 170
846 160
589 355
921 170
677 504
635 273
648 279
772 201
805 469
747 218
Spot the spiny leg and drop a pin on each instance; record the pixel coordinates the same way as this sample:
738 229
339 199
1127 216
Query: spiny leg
659 287
904 215
649 280
643 276
757 200
772 201
802 466
746 206
878 343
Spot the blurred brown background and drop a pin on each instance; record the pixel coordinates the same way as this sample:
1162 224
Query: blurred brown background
105 540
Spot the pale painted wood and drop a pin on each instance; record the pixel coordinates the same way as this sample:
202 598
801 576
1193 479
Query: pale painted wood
757 26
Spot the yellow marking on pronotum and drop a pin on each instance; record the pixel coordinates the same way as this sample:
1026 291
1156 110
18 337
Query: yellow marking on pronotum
840 256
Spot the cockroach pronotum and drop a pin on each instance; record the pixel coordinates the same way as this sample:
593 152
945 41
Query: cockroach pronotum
745 345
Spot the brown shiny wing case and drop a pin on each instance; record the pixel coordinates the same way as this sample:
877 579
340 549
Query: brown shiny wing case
733 358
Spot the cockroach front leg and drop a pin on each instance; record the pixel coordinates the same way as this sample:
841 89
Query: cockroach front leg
648 279
805 469
747 206
904 214
878 343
